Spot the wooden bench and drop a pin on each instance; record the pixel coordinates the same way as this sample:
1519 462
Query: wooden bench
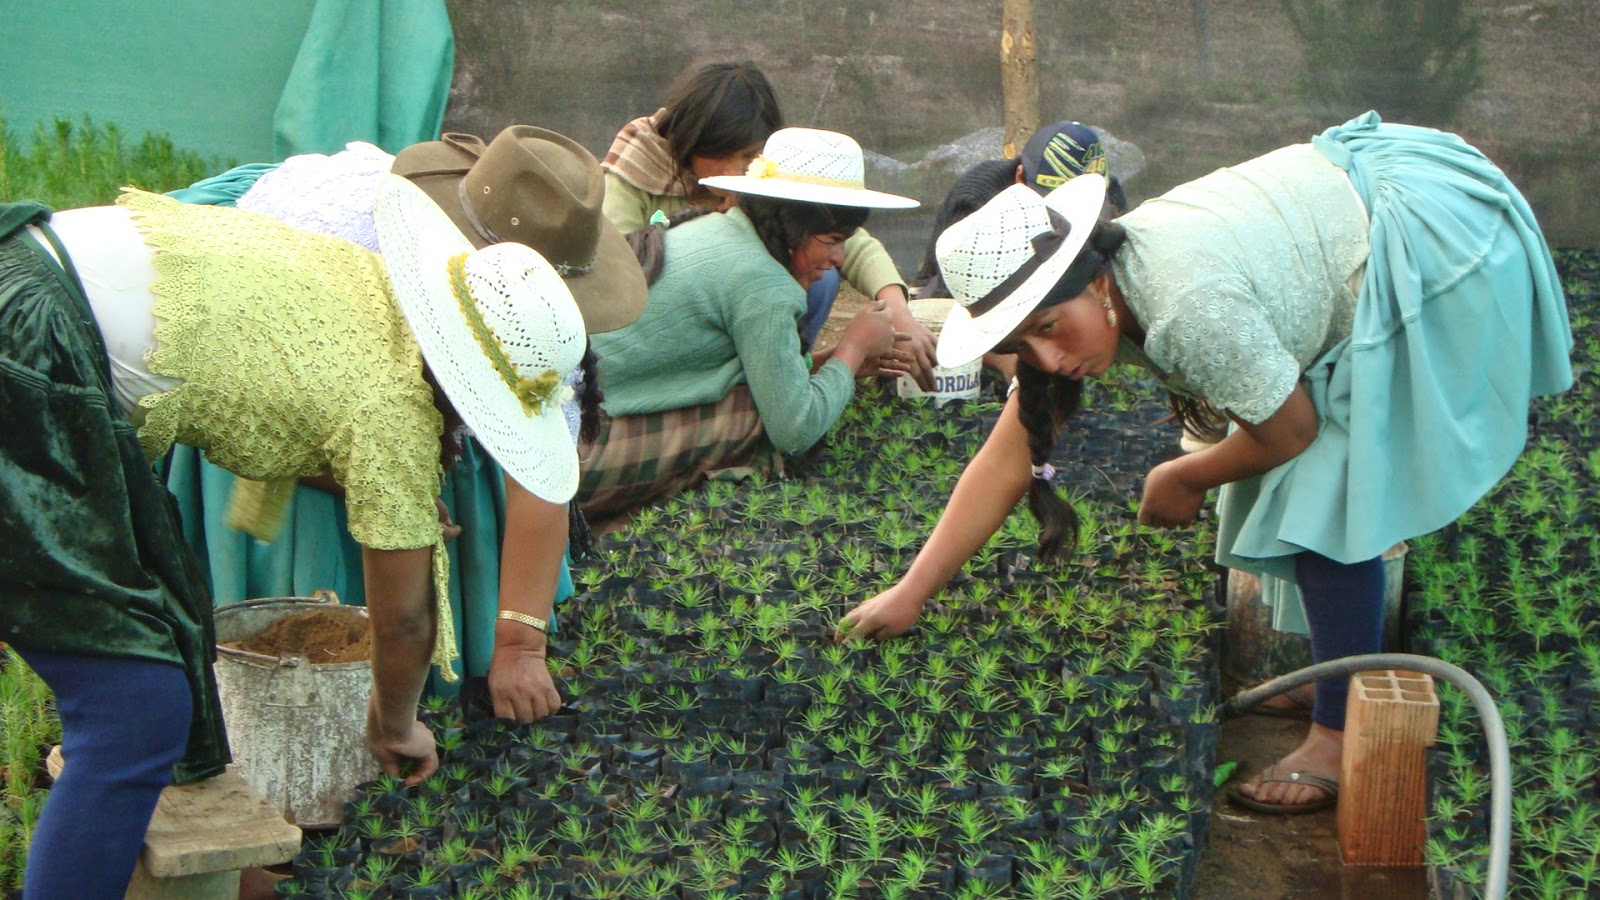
202 834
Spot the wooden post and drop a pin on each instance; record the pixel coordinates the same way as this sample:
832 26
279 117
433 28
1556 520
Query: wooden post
1383 793
1019 75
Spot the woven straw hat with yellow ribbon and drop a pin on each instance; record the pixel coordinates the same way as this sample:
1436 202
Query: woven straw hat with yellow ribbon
498 328
812 166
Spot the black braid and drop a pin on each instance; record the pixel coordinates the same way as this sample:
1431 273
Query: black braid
589 397
450 447
580 540
1044 403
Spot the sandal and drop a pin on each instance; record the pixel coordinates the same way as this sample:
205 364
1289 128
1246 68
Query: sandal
1328 786
1298 703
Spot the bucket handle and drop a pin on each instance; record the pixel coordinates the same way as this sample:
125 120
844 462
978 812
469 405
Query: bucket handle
299 671
326 596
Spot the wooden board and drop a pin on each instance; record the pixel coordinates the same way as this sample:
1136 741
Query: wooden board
1383 792
217 825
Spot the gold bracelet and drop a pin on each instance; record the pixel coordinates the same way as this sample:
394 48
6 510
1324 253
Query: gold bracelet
513 616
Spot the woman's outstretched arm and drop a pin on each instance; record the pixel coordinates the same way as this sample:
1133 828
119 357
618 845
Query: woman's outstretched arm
399 587
986 493
530 568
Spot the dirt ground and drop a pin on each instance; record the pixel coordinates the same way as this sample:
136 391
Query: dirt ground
1251 855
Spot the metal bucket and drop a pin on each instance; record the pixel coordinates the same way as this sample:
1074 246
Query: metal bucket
1256 651
298 729
959 383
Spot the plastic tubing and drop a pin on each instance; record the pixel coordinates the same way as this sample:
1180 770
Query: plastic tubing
1499 873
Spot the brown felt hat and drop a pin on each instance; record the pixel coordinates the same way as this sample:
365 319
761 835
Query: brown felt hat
535 187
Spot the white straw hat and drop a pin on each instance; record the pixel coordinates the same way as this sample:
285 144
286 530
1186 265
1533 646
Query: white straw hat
498 328
1003 259
812 166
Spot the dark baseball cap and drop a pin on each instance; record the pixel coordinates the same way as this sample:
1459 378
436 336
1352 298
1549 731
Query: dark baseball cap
1060 152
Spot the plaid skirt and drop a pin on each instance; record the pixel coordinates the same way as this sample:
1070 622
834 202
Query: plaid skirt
639 459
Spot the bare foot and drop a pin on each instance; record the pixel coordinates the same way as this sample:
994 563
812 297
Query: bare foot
1319 755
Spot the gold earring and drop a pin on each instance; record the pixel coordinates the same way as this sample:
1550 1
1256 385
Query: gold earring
1111 313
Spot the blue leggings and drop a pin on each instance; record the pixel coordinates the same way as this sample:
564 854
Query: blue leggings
1344 607
124 724
819 302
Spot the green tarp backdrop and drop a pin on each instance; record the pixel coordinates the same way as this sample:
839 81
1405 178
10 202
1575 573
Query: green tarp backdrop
247 81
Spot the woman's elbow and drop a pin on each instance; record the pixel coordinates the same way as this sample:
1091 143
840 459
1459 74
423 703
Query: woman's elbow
1293 428
791 441
1290 442
1305 434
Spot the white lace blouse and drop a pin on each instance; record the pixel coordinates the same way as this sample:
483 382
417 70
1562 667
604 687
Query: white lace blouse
1243 278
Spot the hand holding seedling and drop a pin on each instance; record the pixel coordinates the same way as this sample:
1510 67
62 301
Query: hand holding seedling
869 336
1169 501
519 679
890 613
918 343
414 748
898 361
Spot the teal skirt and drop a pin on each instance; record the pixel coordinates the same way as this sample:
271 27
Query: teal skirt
315 551
1459 323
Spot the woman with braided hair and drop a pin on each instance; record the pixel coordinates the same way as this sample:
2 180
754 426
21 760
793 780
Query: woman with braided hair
1370 313
1054 155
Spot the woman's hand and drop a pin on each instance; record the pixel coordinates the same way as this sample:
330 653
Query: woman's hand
988 488
392 751
1174 490
884 616
446 524
519 675
530 568
869 335
401 611
1169 500
897 362
918 346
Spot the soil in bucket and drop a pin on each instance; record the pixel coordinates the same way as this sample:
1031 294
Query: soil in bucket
321 636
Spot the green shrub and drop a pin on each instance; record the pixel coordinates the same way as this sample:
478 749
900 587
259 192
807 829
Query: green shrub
28 724
68 165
